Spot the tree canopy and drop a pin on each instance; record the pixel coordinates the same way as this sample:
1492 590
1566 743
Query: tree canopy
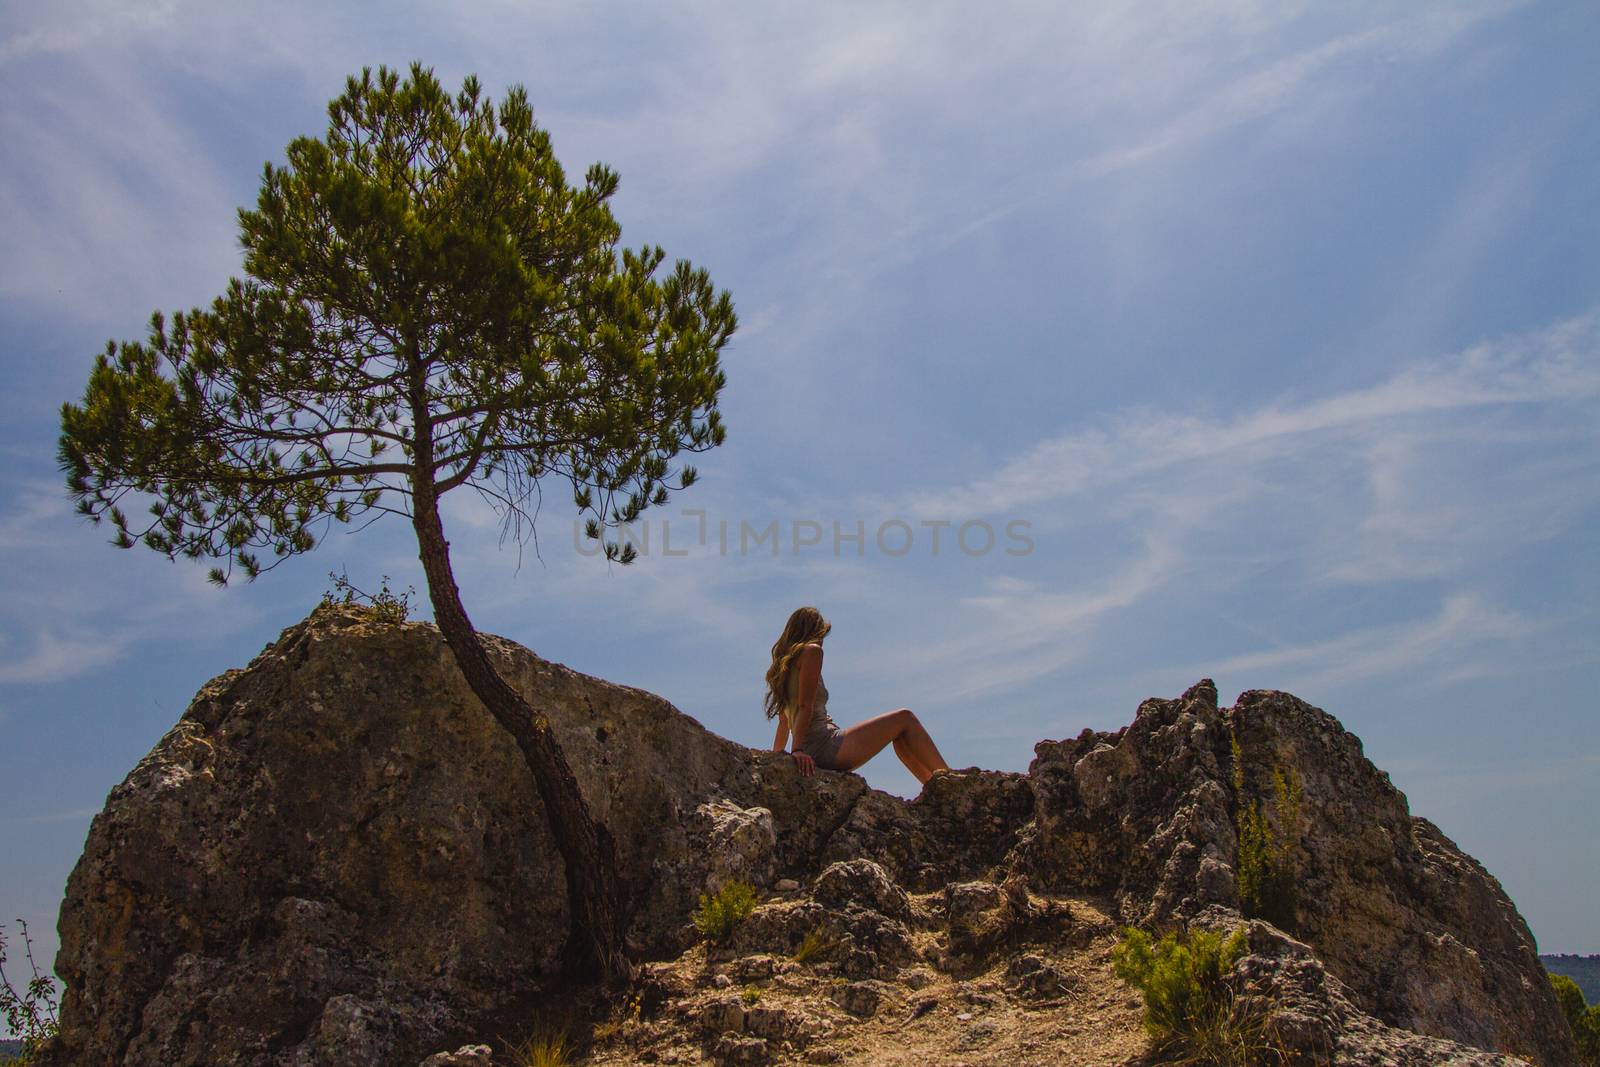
426 296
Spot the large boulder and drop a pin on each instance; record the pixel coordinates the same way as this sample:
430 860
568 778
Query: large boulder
338 857
1419 935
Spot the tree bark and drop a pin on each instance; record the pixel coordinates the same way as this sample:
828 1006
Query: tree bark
595 947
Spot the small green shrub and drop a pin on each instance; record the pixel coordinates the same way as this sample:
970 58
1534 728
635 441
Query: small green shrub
1583 1018
1268 888
30 1014
750 995
1188 1006
383 606
719 916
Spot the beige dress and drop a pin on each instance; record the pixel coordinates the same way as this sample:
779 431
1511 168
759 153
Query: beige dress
824 737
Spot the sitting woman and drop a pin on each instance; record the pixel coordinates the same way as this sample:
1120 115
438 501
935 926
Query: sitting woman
797 698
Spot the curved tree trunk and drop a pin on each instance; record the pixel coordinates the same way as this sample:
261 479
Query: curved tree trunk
595 947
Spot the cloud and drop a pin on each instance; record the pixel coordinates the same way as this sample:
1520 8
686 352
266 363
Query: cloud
1462 629
60 615
1416 488
53 657
72 27
1437 473
1558 365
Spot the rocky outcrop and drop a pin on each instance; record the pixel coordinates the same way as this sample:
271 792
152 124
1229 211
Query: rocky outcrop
337 857
1417 932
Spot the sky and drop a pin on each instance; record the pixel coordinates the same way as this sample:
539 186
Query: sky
1085 351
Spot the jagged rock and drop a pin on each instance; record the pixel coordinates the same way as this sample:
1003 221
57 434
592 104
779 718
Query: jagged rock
983 917
741 1051
737 844
1032 975
722 1016
961 825
774 1024
861 882
1134 813
337 857
859 998
751 968
1422 936
465 1056
965 901
1285 990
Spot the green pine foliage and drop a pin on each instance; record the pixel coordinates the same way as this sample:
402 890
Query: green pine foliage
720 914
1188 1004
1583 1018
428 304
1268 847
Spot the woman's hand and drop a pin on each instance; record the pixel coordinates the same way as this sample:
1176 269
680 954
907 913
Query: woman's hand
807 765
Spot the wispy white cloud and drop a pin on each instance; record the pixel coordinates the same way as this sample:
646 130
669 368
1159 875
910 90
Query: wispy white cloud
62 617
1560 364
1452 642
1441 470
1433 474
52 657
72 27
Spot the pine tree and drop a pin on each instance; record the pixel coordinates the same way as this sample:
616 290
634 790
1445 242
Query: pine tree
428 305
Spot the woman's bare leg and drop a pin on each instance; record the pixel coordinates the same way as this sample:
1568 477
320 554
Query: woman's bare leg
902 748
922 747
902 729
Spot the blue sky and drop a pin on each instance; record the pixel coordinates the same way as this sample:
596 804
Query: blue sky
1277 327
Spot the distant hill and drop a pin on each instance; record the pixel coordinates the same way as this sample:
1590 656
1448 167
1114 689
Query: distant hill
9 1050
1585 970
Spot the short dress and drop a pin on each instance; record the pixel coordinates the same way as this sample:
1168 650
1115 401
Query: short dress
824 737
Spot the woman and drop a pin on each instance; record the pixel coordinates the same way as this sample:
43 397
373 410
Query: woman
797 698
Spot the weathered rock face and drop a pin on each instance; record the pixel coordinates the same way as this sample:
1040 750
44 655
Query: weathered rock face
1417 932
337 857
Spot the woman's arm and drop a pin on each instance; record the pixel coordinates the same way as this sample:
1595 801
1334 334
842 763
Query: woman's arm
783 734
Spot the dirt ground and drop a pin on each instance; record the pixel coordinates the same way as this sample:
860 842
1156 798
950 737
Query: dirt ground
1047 1002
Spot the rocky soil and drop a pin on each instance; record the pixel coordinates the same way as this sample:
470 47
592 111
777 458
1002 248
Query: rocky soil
337 857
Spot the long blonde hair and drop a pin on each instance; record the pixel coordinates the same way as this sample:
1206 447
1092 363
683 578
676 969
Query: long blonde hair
805 626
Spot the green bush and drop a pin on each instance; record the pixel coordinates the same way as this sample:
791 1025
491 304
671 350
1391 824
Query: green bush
719 916
31 1014
1583 1018
383 606
1188 1005
1268 888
